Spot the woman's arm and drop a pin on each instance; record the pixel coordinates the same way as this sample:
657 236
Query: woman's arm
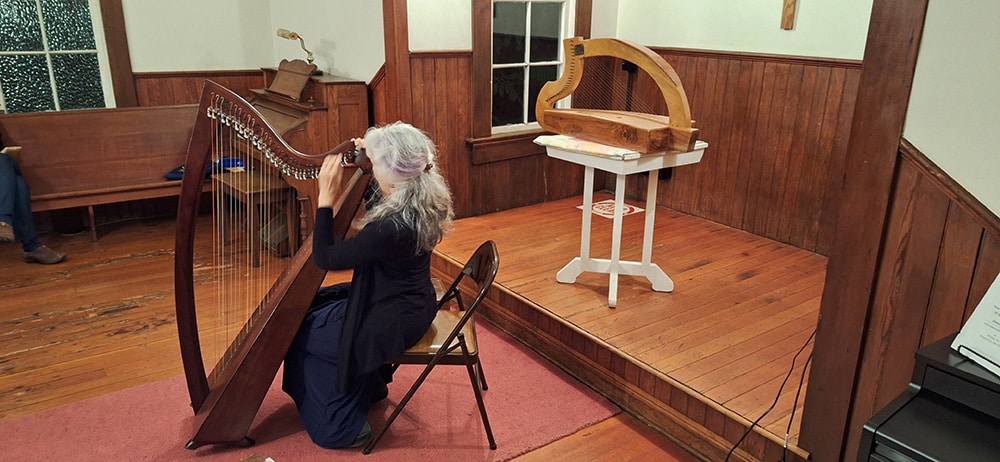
330 179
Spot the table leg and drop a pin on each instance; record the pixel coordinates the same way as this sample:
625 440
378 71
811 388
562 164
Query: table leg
661 282
616 241
576 266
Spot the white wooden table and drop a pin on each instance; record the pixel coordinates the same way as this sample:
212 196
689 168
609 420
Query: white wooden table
621 163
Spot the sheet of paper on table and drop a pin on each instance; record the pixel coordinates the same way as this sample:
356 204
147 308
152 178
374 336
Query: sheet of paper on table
979 339
569 143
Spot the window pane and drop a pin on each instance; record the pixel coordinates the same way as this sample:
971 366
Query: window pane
19 30
538 76
508 96
67 24
509 25
25 83
78 81
545 20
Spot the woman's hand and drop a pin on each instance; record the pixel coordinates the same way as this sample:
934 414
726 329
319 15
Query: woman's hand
330 176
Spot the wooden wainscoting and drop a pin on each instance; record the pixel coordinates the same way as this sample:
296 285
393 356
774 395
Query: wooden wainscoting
777 129
940 253
184 87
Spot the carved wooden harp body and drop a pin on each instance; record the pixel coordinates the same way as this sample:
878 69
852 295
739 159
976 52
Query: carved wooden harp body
639 131
226 401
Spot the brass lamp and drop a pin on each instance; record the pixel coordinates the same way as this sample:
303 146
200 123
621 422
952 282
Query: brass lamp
287 34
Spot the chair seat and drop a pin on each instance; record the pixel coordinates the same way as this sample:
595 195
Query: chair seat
444 322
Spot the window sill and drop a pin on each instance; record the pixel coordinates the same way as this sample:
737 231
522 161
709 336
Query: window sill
505 146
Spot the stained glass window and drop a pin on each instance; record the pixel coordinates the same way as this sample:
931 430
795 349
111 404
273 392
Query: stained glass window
527 38
50 64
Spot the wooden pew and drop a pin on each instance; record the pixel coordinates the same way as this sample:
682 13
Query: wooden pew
84 158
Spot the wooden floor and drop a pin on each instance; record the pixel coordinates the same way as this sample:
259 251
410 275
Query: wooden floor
103 321
742 307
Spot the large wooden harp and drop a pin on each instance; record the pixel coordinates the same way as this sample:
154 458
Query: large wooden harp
226 401
639 131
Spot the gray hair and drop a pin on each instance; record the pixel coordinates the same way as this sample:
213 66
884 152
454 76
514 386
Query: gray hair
421 200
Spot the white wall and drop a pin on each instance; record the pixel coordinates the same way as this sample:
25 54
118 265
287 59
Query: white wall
439 24
345 36
604 18
184 35
954 113
447 24
829 29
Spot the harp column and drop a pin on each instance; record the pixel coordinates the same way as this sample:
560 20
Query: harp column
621 162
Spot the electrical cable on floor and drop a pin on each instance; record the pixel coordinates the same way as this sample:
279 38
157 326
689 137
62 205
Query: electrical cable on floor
776 397
795 403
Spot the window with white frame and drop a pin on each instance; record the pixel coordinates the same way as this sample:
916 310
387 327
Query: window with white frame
50 57
527 53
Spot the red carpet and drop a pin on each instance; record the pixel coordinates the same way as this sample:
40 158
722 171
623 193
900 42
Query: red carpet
530 403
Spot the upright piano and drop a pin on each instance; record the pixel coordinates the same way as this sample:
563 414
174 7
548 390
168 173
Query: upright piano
949 412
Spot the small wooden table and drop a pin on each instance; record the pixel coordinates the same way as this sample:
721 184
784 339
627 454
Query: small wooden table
621 162
255 188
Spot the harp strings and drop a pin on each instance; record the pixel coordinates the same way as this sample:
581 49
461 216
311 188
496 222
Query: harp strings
244 267
605 84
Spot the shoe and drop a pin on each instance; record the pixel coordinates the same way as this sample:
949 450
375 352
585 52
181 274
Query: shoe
6 232
363 437
44 255
379 391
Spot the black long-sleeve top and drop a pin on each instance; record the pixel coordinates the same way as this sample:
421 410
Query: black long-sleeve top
391 302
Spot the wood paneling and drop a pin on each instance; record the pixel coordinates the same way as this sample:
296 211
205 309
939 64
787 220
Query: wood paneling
940 246
184 87
377 96
441 92
777 131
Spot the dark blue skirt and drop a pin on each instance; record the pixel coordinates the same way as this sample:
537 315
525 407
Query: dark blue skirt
331 418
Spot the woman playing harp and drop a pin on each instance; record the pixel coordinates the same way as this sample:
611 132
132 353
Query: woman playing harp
226 401
333 368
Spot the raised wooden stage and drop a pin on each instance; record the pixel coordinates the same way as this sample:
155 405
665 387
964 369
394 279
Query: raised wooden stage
700 363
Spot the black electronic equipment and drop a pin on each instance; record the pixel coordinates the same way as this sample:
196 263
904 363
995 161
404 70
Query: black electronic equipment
949 412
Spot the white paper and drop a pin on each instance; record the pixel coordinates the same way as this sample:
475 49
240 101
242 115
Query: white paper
979 339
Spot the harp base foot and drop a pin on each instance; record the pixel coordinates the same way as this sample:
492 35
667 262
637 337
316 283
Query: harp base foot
246 442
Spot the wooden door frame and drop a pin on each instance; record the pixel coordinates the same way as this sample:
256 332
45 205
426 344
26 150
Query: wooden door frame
396 30
890 57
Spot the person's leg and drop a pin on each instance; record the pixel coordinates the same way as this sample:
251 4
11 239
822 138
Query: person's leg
15 210
15 204
23 222
332 418
8 187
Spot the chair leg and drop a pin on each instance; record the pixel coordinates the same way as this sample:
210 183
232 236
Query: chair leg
479 393
482 378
